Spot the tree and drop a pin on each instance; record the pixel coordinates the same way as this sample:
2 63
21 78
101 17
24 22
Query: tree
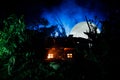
11 37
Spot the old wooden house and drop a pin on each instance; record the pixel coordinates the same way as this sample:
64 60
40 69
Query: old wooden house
65 48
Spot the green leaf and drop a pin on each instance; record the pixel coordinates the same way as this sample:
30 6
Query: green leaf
12 60
11 28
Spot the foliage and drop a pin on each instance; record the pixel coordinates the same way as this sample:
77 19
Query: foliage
21 56
10 37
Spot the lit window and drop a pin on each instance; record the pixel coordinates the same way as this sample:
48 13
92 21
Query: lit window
69 55
50 56
78 42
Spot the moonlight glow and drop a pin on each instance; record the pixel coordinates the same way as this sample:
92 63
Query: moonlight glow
70 13
79 29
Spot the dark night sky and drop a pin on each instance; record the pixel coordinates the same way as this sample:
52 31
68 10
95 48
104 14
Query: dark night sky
65 9
36 6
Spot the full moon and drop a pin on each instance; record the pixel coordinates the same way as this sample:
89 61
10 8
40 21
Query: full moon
79 29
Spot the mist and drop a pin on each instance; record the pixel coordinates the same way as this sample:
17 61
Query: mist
70 13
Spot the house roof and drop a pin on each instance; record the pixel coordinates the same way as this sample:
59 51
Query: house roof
65 41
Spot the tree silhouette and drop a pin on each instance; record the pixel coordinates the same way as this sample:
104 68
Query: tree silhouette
22 52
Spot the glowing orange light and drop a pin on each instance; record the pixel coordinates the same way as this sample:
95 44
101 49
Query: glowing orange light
52 48
50 56
69 55
65 49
